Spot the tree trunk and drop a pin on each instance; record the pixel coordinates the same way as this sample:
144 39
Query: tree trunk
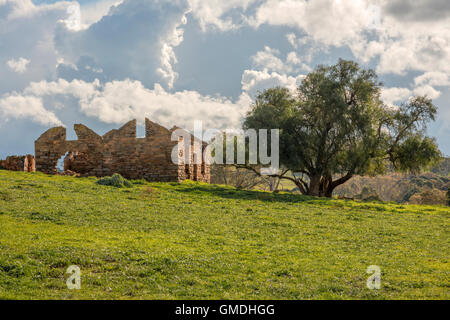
314 186
333 185
329 192
324 186
300 187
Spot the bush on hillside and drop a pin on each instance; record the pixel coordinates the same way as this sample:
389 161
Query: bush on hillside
429 197
368 194
115 181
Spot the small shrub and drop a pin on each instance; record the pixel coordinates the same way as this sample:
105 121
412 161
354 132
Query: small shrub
150 192
115 181
368 194
429 197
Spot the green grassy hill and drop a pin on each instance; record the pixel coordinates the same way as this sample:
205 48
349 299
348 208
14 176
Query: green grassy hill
198 241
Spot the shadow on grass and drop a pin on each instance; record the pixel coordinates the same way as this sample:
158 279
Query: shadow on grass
231 193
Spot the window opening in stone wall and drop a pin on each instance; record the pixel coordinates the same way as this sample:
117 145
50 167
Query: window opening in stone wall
60 163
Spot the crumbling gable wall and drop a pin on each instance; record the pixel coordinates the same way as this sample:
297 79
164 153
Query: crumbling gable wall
118 151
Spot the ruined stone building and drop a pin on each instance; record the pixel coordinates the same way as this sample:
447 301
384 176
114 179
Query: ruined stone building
18 163
120 151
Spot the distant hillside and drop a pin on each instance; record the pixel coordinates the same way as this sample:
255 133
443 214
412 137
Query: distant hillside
443 168
403 188
397 187
199 241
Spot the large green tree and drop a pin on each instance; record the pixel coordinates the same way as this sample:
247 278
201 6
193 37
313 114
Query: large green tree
336 127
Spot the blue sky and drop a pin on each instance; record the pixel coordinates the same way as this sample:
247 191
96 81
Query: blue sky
103 62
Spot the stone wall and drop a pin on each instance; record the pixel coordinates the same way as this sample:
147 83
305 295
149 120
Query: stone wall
18 163
118 151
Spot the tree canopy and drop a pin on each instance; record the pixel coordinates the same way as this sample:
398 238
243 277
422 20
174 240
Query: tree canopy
336 126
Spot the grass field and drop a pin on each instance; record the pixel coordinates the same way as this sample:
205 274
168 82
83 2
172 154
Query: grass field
198 241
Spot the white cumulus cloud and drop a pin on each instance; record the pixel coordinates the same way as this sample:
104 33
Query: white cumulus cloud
428 91
119 101
215 13
433 78
254 81
136 39
19 65
332 22
16 106
269 59
392 95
